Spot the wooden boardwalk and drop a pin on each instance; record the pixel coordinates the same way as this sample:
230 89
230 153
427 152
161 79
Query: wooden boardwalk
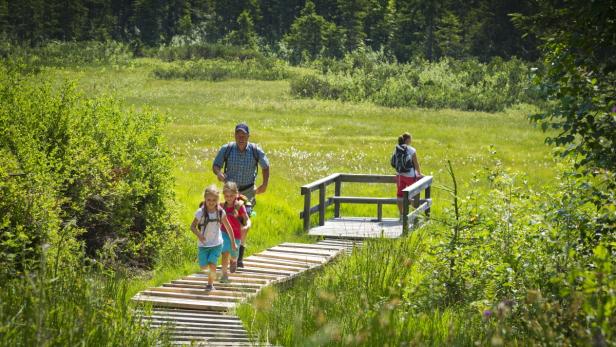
358 228
194 315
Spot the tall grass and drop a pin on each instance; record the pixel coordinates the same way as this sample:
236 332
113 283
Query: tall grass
78 306
366 298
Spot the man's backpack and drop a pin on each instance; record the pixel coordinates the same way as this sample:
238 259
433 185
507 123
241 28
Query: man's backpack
401 161
230 145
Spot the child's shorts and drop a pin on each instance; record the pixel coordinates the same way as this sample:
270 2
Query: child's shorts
209 255
226 245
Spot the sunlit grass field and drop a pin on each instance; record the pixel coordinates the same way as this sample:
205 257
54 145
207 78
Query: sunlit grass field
306 140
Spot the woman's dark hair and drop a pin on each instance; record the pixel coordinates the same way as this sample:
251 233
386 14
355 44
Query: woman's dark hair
402 138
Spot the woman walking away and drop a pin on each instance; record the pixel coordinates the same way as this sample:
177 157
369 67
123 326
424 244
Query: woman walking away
206 226
239 221
404 160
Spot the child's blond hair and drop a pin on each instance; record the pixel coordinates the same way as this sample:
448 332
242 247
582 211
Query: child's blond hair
211 190
230 187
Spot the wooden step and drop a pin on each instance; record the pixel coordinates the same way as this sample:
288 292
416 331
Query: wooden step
312 246
275 261
307 251
204 295
185 303
172 289
235 279
296 257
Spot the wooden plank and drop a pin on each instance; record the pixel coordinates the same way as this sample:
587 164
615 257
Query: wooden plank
202 296
198 284
246 283
192 320
209 326
255 275
184 303
319 249
364 200
311 246
285 262
173 289
270 268
221 318
212 339
308 251
285 251
178 311
362 178
315 185
235 279
192 331
307 259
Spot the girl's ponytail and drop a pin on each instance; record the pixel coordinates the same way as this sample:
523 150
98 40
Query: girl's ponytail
402 138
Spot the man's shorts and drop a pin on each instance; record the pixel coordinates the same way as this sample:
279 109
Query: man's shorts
226 245
209 255
250 193
403 182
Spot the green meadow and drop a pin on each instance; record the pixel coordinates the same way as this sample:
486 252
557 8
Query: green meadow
307 139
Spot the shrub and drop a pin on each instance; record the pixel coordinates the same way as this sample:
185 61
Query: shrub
206 51
91 172
370 76
64 54
217 70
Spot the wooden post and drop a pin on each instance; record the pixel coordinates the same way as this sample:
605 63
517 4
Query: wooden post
416 200
337 193
405 213
307 194
428 197
322 204
379 212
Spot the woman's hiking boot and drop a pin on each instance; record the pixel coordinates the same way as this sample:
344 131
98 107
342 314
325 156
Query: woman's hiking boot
224 279
209 287
233 266
240 258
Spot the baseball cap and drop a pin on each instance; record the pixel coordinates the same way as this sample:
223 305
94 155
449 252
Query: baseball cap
242 127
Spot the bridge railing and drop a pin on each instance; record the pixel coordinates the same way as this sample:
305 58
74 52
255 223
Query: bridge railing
411 197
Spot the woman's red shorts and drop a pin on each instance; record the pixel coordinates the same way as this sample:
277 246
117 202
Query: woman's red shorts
403 182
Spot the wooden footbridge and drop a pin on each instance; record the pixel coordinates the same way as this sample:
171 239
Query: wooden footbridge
195 316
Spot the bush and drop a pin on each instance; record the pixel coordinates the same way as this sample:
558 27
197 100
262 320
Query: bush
206 51
69 54
465 85
217 70
90 172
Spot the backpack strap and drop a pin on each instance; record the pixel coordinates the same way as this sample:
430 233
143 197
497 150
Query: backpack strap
226 156
205 218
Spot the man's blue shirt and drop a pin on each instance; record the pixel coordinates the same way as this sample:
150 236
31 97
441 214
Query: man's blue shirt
241 166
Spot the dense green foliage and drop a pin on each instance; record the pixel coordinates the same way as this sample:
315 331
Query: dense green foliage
87 170
449 83
404 28
580 82
85 192
217 70
503 266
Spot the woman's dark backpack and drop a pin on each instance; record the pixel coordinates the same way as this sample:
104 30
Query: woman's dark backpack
401 161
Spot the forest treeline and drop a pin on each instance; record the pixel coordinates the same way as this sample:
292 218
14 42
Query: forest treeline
405 29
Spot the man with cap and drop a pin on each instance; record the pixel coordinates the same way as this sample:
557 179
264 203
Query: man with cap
239 162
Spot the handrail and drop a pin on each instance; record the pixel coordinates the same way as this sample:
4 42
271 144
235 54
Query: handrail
411 196
315 185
